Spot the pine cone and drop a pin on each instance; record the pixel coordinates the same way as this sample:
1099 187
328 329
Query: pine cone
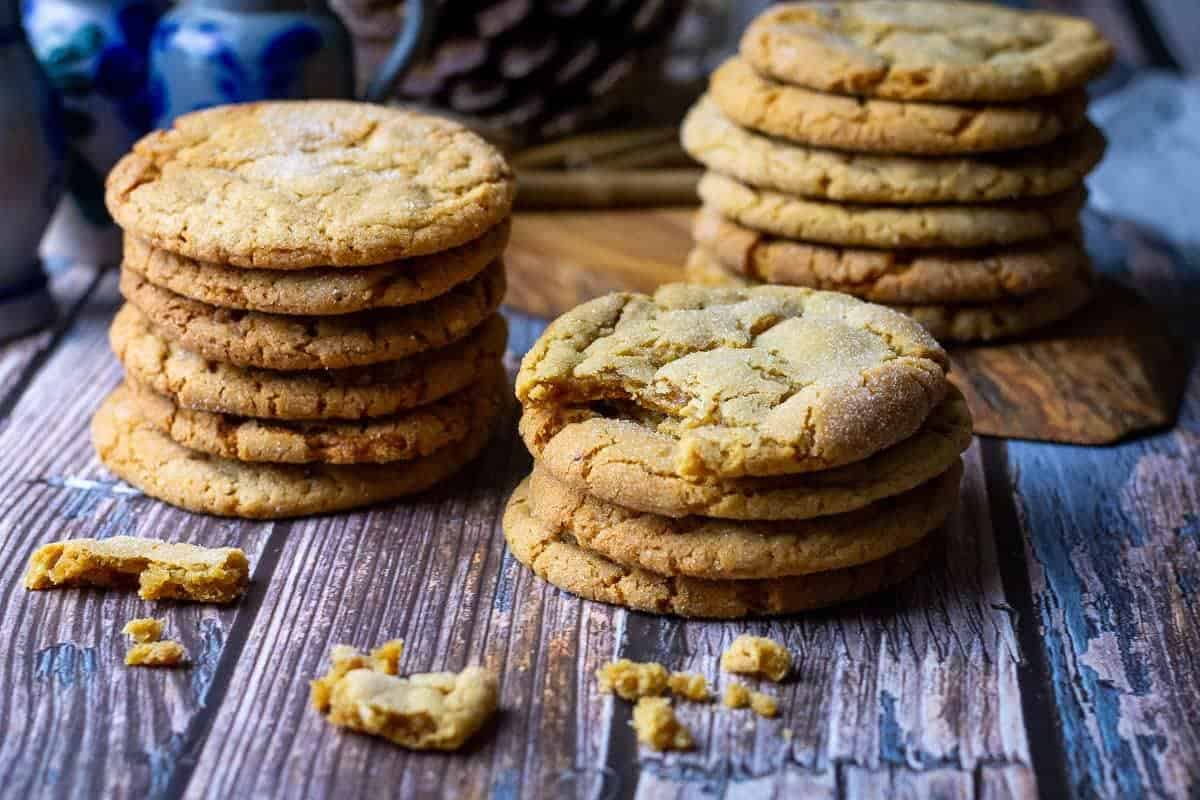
525 70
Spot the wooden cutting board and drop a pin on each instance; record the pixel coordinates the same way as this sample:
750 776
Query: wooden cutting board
1109 372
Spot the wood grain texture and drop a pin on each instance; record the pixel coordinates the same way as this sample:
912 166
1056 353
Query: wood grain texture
1111 544
74 721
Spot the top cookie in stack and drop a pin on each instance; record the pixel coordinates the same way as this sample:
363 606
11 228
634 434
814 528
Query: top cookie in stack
310 321
925 155
734 452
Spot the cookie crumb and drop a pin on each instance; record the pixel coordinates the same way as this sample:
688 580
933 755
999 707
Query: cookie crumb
631 680
160 570
342 658
690 686
156 654
757 655
736 696
764 705
427 711
787 734
143 629
657 727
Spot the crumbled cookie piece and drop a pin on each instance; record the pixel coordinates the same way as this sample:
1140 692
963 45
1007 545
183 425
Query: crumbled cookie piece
689 685
631 679
161 570
156 654
343 658
144 629
431 711
656 725
736 696
764 704
757 655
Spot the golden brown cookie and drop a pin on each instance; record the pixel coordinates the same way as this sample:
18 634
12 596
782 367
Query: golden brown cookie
290 184
139 454
581 572
892 276
633 466
316 291
886 126
823 174
379 390
925 50
955 322
278 342
412 434
939 226
715 549
766 381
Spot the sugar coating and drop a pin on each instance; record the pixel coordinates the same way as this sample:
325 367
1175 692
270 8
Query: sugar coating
760 381
309 184
657 727
926 50
631 679
757 655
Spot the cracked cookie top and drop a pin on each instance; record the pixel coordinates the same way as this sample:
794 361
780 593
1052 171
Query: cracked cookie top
307 184
763 381
925 50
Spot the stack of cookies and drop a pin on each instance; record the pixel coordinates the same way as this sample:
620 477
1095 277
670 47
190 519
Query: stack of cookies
734 452
310 321
925 155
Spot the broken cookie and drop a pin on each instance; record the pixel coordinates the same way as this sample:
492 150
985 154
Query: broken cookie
160 570
431 711
757 655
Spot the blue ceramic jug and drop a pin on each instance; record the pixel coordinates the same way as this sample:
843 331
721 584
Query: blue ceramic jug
31 155
211 52
94 53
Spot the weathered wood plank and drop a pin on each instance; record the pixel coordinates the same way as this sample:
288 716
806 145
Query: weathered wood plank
74 722
20 357
922 680
1113 562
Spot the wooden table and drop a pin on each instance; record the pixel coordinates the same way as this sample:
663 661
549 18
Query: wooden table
1052 649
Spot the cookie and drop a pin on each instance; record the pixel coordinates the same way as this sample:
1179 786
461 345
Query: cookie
765 381
891 226
568 566
316 291
142 456
278 342
1004 320
380 390
635 469
716 549
892 276
960 323
286 185
925 50
412 434
885 126
822 174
